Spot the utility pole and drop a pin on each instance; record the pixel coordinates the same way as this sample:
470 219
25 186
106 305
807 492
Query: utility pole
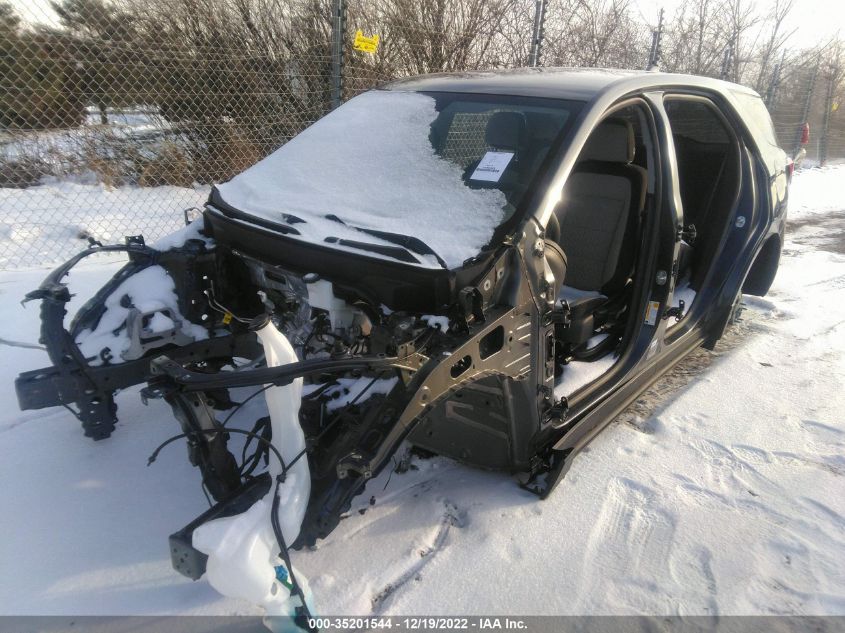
727 62
805 113
338 39
538 33
656 41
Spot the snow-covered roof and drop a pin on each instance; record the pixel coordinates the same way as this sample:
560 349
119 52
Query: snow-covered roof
579 84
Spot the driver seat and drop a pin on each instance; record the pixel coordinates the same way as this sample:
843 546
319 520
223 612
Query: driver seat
598 220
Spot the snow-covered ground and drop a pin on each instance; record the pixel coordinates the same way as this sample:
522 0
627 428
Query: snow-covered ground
54 145
51 222
725 496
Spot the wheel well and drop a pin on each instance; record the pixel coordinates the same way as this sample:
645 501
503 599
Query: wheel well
764 268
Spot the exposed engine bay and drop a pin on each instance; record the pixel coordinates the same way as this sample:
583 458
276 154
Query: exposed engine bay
349 372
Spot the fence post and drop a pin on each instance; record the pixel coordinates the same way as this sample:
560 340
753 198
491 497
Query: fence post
805 113
828 106
727 61
774 84
338 38
538 32
656 39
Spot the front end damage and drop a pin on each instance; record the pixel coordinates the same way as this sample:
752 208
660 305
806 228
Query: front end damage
354 355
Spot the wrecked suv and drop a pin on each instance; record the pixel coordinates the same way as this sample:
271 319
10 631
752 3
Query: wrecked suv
487 266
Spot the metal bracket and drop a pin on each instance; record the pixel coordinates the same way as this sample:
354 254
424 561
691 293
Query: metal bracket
142 338
688 234
676 311
546 473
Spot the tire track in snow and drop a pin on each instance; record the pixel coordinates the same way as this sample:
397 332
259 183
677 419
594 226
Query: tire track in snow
821 427
39 416
451 518
632 536
692 493
416 488
824 462
692 569
834 517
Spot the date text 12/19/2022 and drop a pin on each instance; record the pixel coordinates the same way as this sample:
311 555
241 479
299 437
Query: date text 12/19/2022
417 623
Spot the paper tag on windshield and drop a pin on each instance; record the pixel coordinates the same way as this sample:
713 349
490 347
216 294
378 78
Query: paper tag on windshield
492 166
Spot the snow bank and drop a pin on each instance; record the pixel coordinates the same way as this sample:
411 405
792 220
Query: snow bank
817 190
50 223
371 164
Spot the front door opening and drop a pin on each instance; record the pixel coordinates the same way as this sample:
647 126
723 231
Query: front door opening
598 225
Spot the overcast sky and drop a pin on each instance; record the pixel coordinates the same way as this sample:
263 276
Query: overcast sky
815 20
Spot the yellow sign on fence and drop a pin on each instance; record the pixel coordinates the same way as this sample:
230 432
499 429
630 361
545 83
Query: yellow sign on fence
365 44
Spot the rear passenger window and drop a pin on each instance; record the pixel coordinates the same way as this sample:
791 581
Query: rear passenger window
696 121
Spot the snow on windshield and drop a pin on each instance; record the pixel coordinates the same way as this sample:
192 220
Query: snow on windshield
371 164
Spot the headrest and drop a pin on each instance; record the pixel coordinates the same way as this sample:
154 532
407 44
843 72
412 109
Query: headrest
612 141
543 127
506 130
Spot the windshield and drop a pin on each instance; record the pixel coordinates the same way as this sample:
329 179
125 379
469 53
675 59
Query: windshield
446 169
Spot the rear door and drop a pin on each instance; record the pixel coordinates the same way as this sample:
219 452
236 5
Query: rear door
718 204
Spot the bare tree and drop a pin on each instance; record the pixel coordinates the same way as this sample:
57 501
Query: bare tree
775 41
442 35
696 38
742 19
598 33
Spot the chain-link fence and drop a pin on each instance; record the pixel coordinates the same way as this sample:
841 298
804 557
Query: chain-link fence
809 96
115 116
